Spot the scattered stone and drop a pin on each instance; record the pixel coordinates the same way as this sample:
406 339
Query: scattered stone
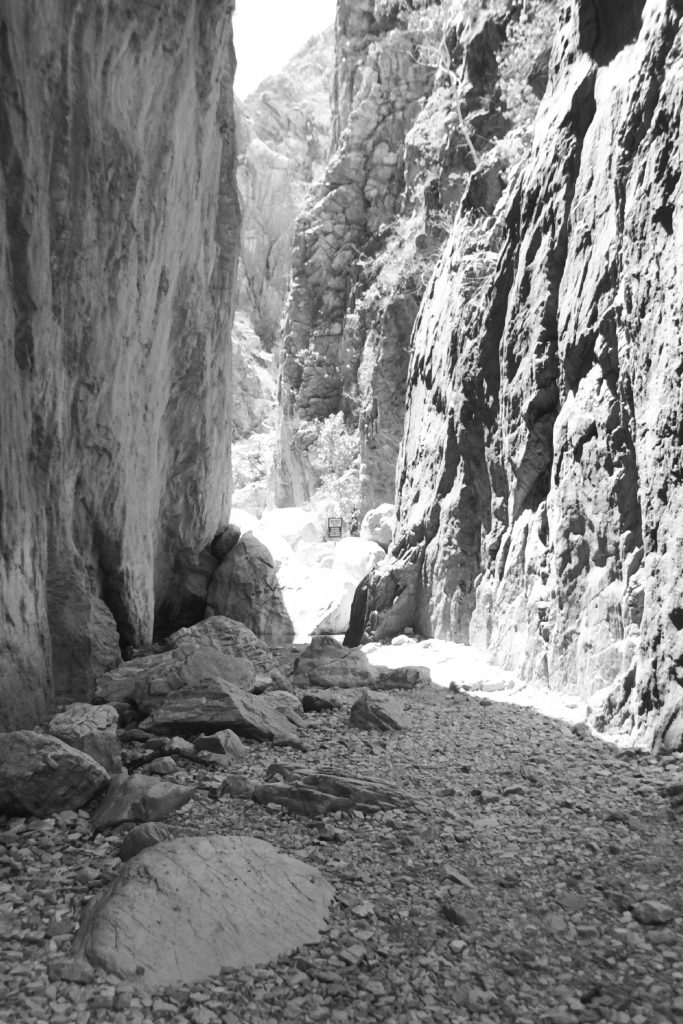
223 742
372 711
163 766
214 705
653 912
147 834
457 914
323 792
41 775
92 729
186 909
139 798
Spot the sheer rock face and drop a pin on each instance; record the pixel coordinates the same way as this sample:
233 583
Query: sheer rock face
379 88
283 141
120 224
540 481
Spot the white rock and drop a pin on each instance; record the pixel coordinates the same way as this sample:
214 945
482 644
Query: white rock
356 557
378 525
295 525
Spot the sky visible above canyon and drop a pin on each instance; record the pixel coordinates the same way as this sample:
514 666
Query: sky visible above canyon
269 32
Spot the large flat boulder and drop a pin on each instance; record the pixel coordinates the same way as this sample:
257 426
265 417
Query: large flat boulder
147 682
211 706
92 729
233 638
139 798
186 909
42 775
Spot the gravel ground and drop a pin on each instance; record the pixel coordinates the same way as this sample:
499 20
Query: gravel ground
536 881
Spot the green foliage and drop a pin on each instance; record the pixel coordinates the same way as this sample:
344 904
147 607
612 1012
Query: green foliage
335 456
529 38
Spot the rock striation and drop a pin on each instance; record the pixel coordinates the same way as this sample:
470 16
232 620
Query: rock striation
540 479
120 224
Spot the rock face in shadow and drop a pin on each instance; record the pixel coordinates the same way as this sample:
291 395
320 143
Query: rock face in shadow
120 223
540 482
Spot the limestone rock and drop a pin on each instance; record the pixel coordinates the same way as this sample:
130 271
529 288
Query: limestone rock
540 482
92 729
213 705
146 682
326 791
139 798
315 702
355 557
295 525
42 775
236 639
327 664
148 834
374 712
223 742
378 525
122 230
186 909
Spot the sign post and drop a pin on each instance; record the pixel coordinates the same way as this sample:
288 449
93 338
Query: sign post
334 527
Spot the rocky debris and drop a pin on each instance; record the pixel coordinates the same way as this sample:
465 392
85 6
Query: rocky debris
585 833
233 638
116 377
148 834
223 742
372 711
139 798
42 775
210 706
147 682
92 729
378 525
326 791
328 664
187 909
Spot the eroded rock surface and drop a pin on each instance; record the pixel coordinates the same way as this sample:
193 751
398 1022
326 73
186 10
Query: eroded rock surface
121 224
92 729
42 775
186 909
540 477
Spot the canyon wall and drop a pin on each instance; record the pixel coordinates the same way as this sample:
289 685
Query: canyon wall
540 483
283 142
119 223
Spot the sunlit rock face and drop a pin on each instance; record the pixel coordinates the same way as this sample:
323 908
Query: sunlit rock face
541 482
119 224
283 143
379 88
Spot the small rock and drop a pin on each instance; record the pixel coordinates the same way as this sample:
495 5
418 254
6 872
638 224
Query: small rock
314 702
147 834
653 912
223 742
139 798
163 766
371 711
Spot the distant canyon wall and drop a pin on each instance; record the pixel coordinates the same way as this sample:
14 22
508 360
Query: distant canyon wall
540 484
119 224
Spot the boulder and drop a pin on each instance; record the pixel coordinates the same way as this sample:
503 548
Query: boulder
233 638
378 525
223 742
186 909
355 557
139 798
148 834
327 663
374 712
92 729
42 775
326 791
246 587
146 682
215 705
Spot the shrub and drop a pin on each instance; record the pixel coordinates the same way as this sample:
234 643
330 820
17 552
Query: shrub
335 455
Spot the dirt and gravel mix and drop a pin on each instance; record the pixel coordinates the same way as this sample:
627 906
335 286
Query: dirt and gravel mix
537 879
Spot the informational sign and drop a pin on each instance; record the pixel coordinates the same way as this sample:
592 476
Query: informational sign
334 527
